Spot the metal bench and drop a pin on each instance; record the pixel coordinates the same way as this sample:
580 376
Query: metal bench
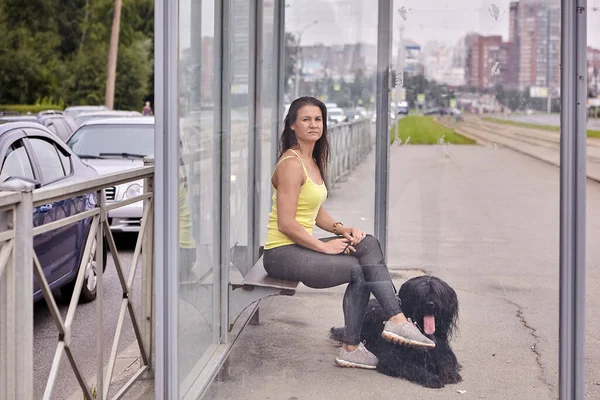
255 286
245 289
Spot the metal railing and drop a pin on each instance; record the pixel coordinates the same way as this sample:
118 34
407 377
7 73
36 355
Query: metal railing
349 144
17 202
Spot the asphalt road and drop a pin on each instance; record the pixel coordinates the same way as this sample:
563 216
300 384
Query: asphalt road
548 119
83 340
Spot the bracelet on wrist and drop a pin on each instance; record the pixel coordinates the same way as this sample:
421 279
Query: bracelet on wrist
335 227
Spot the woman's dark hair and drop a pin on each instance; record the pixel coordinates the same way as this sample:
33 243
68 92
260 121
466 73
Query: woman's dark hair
288 137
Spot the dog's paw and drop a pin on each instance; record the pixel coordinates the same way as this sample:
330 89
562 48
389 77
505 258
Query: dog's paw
433 383
453 378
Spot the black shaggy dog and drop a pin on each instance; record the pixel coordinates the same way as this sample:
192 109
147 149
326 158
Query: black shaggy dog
433 305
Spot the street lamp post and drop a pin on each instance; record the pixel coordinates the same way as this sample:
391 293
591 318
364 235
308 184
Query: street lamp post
298 53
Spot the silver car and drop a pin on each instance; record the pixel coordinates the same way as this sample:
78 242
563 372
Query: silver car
74 111
116 145
88 116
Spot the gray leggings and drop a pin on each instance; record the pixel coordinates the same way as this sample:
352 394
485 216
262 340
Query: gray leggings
365 272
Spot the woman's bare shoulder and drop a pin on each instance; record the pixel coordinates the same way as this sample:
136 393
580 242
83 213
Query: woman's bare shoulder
289 169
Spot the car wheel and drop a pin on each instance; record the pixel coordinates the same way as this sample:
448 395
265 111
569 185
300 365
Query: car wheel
90 282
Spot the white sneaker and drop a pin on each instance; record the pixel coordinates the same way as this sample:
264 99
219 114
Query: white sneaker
359 358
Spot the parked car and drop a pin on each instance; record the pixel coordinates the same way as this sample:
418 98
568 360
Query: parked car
60 124
336 115
114 145
353 114
33 153
74 111
88 116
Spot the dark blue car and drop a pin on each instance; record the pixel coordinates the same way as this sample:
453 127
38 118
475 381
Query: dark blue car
32 152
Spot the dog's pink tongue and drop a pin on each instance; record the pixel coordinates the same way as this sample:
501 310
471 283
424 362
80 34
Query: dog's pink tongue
429 324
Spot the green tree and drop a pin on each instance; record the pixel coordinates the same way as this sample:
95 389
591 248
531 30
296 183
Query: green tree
87 80
58 50
30 68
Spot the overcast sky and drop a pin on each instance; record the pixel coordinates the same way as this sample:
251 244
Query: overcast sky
350 21
347 21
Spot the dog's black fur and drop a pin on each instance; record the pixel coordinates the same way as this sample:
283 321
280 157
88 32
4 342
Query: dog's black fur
420 296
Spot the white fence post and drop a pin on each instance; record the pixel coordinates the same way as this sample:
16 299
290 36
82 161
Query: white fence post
16 296
148 274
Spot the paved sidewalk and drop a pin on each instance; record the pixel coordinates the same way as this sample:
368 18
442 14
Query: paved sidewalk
127 364
485 219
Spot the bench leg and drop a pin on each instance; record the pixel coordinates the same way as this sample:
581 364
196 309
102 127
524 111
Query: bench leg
240 299
255 320
224 373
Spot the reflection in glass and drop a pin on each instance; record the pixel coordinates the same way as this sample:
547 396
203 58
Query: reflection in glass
269 115
198 189
332 56
240 132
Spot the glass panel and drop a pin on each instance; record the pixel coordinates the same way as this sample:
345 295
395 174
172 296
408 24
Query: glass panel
474 184
240 131
269 116
473 198
332 56
198 189
592 312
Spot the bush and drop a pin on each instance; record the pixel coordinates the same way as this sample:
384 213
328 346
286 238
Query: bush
425 130
30 108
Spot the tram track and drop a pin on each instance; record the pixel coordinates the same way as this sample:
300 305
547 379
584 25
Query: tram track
511 136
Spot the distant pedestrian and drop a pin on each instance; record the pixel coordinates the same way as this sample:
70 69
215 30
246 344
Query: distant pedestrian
147 110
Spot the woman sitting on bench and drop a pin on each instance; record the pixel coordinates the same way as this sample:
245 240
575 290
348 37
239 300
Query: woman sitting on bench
352 257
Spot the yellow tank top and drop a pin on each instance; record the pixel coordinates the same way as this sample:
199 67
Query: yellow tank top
186 240
310 199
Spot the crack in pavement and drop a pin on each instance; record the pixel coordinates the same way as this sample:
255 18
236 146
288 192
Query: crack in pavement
534 348
533 332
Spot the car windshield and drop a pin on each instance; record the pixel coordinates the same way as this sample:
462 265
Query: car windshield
115 140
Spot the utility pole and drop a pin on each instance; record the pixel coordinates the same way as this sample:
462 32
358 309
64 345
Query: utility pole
109 98
548 69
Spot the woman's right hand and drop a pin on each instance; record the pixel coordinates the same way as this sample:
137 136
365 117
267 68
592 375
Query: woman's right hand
337 246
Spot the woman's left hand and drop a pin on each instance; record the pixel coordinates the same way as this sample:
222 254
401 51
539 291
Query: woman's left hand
353 234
